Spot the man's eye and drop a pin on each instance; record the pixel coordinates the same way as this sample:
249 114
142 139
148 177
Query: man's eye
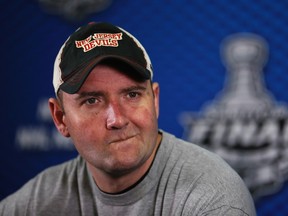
91 101
133 94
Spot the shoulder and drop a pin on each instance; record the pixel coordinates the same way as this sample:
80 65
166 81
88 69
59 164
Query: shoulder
193 155
206 179
196 158
50 184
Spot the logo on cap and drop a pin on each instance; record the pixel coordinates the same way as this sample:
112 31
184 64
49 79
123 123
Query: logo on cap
99 39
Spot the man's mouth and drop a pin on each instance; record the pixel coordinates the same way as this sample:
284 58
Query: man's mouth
122 139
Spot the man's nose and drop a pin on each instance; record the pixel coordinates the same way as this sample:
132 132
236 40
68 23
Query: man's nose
116 118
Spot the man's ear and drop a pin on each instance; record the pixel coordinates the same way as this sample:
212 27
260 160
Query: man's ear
58 116
156 91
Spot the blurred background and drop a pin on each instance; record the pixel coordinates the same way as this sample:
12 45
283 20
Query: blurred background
222 68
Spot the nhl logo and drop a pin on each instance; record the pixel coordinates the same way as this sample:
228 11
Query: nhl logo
244 124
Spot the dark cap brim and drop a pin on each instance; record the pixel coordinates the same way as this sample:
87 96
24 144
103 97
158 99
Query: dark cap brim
74 82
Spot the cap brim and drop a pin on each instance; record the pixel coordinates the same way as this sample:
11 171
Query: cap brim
74 83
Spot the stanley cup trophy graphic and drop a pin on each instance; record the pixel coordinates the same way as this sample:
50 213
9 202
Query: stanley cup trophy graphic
244 57
244 124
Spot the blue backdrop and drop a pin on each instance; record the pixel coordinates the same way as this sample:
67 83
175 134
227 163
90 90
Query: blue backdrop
182 38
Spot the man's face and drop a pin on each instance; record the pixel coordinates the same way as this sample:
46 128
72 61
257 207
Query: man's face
112 120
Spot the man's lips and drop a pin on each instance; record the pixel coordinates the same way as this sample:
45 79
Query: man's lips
121 139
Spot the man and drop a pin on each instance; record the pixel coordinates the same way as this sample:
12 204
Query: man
109 106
